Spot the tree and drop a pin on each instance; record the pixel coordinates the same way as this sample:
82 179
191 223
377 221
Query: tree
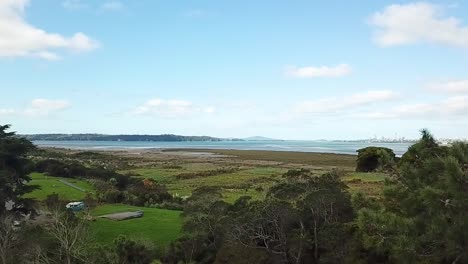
270 226
205 214
374 158
20 243
9 239
328 207
303 219
132 252
424 149
424 212
14 171
71 235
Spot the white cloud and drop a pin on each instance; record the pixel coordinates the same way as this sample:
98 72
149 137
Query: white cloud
418 22
209 109
460 86
171 108
6 112
112 6
320 71
18 38
451 107
336 104
38 107
74 4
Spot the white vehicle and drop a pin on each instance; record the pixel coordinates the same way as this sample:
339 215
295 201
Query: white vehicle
75 206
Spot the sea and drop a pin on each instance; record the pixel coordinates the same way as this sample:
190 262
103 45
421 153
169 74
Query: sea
338 147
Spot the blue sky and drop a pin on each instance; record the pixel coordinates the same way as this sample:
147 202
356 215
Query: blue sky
283 69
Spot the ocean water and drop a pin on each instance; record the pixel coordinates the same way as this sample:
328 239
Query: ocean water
286 145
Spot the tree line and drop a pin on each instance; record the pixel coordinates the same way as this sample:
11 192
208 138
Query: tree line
101 137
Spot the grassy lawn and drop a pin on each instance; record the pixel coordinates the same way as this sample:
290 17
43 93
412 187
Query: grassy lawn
157 225
366 176
50 185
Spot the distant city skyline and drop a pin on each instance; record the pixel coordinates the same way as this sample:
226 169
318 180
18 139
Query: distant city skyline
234 69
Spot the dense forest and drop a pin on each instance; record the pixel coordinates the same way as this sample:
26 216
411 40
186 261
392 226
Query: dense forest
421 216
101 137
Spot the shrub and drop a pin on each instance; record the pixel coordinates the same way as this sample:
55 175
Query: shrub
130 251
374 158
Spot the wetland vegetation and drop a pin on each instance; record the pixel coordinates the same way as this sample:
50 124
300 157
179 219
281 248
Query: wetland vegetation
233 206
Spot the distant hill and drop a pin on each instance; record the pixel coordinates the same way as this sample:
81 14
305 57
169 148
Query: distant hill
259 138
101 137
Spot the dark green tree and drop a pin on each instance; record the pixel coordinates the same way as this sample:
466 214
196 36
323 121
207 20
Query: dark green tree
14 171
303 219
424 149
374 158
132 252
205 214
424 213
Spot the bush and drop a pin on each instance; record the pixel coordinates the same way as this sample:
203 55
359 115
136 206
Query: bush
130 251
168 205
148 192
54 167
112 196
375 158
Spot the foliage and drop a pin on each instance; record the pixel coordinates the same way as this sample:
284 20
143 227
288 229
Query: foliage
423 215
374 159
132 252
100 137
424 149
14 170
204 215
148 192
70 235
59 168
302 220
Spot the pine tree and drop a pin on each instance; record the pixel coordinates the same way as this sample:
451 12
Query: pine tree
13 170
424 212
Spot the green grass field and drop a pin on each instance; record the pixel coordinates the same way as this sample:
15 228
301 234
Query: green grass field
159 226
366 176
50 185
370 183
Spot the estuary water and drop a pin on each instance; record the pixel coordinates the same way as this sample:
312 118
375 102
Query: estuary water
340 147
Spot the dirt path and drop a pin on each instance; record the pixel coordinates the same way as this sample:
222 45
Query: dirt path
72 185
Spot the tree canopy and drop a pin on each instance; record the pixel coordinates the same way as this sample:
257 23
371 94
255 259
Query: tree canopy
14 170
424 210
374 158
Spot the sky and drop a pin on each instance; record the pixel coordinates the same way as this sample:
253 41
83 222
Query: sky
284 69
